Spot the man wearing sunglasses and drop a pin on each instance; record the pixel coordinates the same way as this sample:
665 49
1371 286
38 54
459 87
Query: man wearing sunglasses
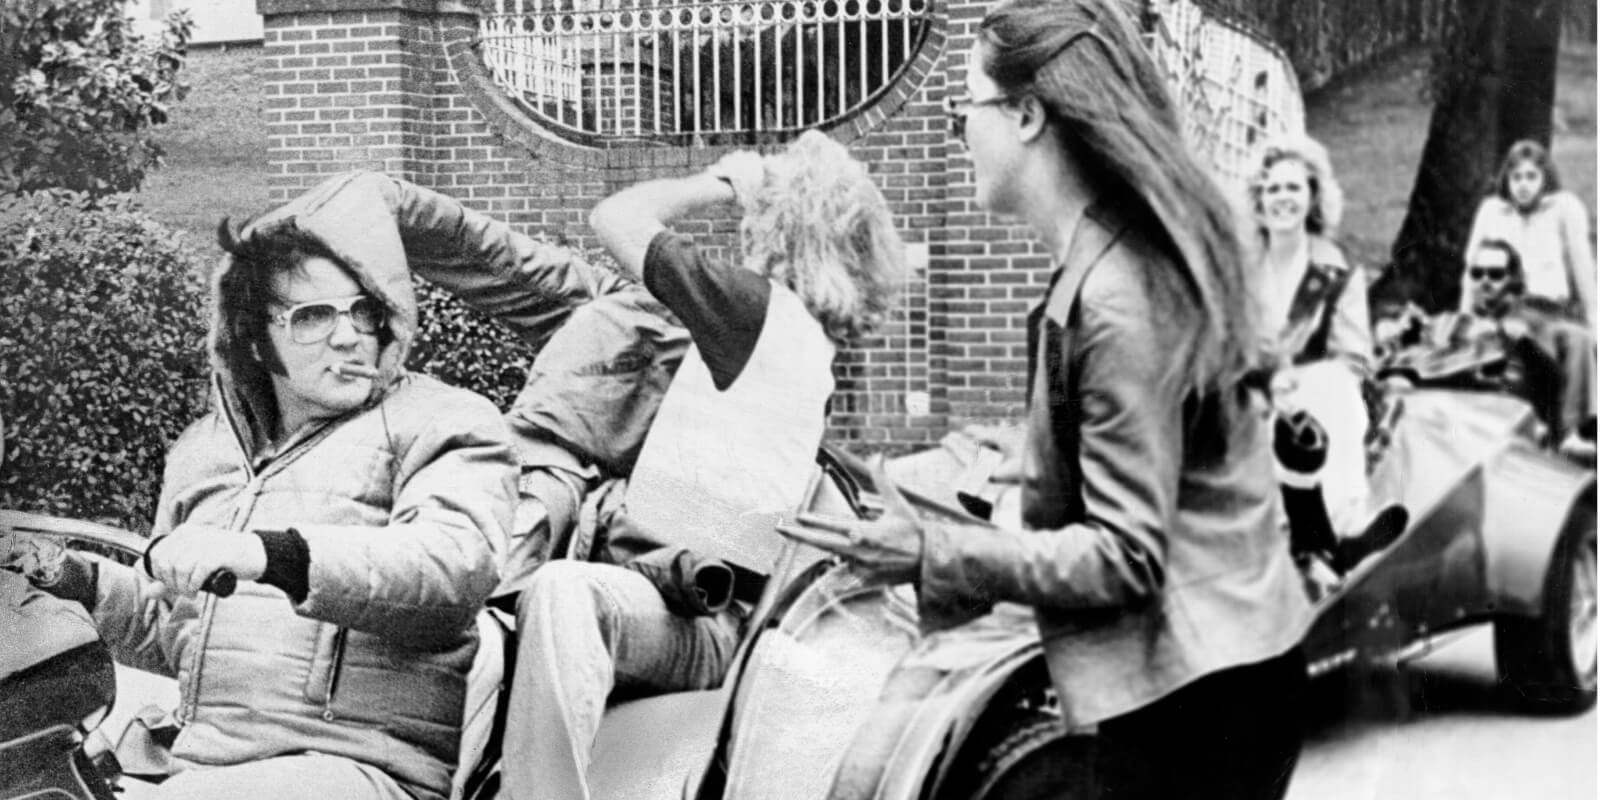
1505 342
364 510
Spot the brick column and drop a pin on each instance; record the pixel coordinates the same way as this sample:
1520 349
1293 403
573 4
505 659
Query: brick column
347 85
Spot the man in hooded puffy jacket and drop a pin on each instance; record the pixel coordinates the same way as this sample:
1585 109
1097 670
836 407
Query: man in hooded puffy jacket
364 510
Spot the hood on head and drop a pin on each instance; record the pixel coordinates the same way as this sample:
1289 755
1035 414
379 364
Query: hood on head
354 223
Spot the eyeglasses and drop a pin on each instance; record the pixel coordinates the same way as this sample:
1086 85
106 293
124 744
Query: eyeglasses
959 107
312 322
1496 274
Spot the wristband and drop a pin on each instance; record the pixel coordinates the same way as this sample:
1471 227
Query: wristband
144 560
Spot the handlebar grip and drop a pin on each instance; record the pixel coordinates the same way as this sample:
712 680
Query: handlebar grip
220 583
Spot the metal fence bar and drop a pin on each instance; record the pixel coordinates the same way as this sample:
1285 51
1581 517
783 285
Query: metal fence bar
759 86
586 69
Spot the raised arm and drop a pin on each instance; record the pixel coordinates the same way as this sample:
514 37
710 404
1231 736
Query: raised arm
529 285
627 221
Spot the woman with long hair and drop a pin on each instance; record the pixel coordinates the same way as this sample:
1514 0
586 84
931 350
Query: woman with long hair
1169 608
733 444
1548 226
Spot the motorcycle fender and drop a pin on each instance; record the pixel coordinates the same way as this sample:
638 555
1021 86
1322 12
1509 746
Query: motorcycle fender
927 708
1530 500
48 764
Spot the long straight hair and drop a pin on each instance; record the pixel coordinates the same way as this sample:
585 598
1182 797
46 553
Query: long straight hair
1530 151
1110 108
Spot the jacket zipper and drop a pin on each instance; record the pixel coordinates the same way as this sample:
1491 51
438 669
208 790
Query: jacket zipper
208 611
236 522
336 660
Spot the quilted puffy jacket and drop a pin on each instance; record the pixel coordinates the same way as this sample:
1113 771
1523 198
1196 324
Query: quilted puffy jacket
403 504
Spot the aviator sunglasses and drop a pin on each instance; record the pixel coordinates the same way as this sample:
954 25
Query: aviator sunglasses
1488 273
309 323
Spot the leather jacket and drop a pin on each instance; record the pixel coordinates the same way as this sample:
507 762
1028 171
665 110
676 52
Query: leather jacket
1152 553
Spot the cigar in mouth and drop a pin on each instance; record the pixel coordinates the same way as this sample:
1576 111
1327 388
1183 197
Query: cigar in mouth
350 370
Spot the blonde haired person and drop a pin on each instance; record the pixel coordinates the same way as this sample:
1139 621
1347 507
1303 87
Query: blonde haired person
736 435
1314 303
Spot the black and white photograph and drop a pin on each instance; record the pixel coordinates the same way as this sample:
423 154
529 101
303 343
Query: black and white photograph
798 399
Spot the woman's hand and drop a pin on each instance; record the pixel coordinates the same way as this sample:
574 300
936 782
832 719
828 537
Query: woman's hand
744 171
182 560
886 550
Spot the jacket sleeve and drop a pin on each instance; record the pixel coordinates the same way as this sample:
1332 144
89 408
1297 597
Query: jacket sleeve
421 579
138 624
529 285
1350 336
1131 451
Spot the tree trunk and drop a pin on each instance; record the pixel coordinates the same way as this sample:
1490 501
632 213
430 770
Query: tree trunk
1533 46
1495 84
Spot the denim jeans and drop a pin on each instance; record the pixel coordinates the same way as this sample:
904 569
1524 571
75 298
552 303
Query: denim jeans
584 629
298 777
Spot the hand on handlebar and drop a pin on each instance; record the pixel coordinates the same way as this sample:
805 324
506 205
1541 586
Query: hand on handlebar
184 560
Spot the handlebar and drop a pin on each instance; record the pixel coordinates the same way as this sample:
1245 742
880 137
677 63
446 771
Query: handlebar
220 583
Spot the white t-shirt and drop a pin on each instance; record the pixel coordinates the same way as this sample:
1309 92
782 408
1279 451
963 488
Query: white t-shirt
1544 238
734 444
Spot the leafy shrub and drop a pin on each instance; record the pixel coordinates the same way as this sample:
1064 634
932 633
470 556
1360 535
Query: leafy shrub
79 90
102 330
103 316
464 348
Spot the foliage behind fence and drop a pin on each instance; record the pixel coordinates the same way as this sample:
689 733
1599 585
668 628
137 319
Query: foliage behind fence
1326 38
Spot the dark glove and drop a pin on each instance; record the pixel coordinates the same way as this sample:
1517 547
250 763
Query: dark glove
1299 442
691 585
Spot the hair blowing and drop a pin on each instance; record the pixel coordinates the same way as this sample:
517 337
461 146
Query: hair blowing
821 227
1109 104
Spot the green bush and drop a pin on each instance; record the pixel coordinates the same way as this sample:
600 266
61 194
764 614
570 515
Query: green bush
103 316
102 330
79 90
467 349
464 348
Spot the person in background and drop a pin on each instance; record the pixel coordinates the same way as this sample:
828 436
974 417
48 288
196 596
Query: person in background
1502 343
1547 225
734 440
1315 304
1150 548
363 510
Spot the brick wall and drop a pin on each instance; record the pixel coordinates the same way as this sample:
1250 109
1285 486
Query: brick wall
397 85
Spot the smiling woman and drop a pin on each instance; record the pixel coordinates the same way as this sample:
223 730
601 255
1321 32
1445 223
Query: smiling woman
1315 307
